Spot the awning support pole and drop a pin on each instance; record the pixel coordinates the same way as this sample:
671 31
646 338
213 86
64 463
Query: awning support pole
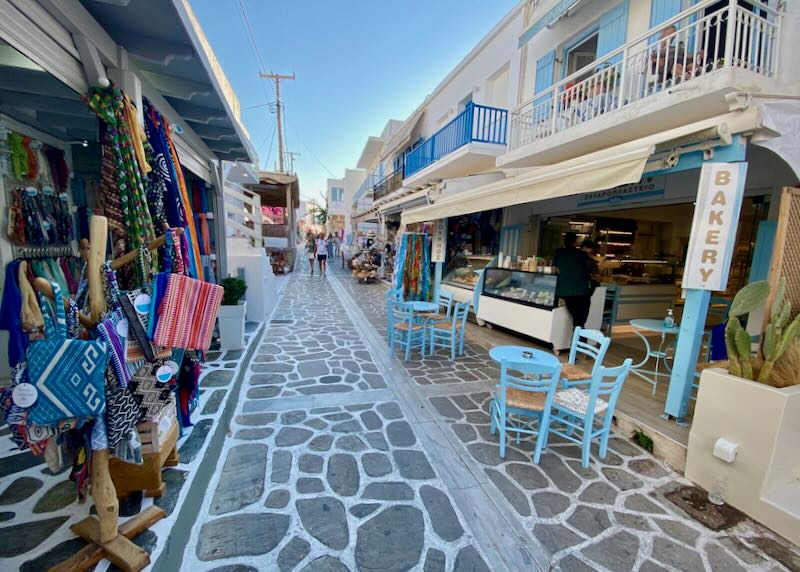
690 337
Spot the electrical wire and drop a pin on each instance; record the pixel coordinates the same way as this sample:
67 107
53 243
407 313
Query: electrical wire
303 143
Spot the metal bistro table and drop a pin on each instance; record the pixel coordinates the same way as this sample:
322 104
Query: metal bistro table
514 354
661 354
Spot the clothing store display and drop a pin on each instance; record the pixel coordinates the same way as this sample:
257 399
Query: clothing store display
412 274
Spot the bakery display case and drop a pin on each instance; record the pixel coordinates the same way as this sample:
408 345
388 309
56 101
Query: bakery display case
529 288
525 302
464 270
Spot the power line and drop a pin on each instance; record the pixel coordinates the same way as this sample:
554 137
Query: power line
303 143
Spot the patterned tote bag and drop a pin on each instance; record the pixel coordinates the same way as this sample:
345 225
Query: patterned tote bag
68 374
187 313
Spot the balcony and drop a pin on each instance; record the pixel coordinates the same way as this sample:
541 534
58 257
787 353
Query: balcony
387 185
468 144
677 73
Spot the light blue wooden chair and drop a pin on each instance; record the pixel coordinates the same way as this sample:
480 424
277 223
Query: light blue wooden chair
587 412
450 333
590 344
404 330
522 403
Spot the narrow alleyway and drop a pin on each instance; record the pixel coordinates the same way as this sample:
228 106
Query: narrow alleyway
341 457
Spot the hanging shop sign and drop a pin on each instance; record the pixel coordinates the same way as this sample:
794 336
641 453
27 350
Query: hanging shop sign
646 190
716 217
439 243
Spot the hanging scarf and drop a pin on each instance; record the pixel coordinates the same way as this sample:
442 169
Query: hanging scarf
125 177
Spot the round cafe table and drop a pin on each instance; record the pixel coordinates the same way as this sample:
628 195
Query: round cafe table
422 307
514 354
661 354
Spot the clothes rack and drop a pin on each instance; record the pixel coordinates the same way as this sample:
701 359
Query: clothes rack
105 538
45 251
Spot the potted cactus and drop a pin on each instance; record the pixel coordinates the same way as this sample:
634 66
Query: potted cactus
744 445
232 312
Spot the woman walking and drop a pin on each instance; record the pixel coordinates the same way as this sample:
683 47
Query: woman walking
330 246
322 253
311 251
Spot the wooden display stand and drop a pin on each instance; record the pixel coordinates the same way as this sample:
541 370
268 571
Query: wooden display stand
129 478
106 539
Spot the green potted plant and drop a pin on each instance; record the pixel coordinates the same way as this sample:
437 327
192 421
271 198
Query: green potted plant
743 445
232 312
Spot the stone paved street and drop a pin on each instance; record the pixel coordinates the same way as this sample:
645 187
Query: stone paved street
317 450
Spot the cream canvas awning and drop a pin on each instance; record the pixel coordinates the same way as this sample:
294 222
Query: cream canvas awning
582 175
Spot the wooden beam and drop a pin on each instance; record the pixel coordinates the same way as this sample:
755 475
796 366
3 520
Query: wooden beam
199 113
45 103
90 57
177 87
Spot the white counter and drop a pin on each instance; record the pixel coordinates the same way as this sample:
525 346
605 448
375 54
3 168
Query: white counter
551 326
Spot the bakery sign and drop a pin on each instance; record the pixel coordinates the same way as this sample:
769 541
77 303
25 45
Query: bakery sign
647 189
716 217
439 242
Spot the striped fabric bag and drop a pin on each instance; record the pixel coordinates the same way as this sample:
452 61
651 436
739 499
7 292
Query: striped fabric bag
187 313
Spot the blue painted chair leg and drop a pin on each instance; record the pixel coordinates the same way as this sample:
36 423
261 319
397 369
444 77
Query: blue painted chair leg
493 418
541 439
586 445
502 434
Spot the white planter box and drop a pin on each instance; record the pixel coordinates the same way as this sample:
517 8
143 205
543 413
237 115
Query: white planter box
231 326
763 480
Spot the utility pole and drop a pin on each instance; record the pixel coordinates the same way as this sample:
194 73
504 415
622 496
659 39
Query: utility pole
277 78
291 156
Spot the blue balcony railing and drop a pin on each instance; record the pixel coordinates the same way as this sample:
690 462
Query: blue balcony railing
476 124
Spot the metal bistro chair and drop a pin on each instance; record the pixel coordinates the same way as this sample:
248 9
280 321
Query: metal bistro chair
590 343
529 397
588 412
445 303
405 330
451 333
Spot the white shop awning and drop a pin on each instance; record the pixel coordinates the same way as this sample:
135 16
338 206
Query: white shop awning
582 175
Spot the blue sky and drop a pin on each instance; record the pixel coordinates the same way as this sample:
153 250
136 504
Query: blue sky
358 64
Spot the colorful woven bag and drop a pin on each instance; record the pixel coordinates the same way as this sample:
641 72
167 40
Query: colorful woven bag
187 312
68 374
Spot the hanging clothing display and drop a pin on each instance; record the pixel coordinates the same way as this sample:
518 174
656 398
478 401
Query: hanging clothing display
121 172
142 355
412 273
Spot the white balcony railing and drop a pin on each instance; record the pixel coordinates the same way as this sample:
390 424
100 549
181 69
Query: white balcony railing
691 45
242 209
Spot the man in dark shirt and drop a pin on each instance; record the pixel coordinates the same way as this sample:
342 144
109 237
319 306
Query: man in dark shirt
573 279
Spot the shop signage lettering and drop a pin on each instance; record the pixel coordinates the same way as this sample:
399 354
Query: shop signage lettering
643 190
439 243
716 217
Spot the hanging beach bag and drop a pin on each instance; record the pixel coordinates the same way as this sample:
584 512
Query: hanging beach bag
69 375
151 394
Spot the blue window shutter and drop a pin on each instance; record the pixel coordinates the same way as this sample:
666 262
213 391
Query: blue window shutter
613 28
545 70
663 10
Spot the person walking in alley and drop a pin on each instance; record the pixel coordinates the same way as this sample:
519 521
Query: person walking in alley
311 251
337 245
330 246
322 253
573 284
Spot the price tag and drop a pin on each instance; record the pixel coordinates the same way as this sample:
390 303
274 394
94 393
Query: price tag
63 197
142 303
31 191
47 191
122 328
173 365
164 374
24 394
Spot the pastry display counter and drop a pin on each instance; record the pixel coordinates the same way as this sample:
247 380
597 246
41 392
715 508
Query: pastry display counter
525 302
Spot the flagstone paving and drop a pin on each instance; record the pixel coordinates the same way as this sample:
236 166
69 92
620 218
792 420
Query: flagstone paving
325 486
613 515
37 507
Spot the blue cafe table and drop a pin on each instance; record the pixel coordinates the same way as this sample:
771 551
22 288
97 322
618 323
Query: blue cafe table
514 354
422 307
661 354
